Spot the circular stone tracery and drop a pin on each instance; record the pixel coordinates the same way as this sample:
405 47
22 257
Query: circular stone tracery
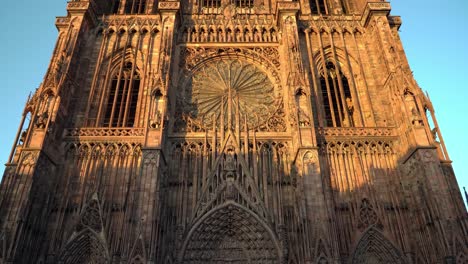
223 88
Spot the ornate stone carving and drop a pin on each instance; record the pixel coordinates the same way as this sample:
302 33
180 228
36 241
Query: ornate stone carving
229 92
62 21
86 247
367 215
276 123
46 103
91 217
142 24
87 243
375 248
266 56
224 88
169 5
228 29
29 158
77 6
231 234
227 162
104 132
347 132
288 6
41 120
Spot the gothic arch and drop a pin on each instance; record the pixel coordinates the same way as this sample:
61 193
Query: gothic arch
375 248
231 232
128 56
87 244
123 92
340 90
85 247
138 253
48 92
223 185
341 59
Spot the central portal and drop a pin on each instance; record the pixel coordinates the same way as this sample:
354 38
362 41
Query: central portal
231 234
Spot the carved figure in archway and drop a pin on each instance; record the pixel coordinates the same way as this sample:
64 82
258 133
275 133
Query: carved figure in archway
230 233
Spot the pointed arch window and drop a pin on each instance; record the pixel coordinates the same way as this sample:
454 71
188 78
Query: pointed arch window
318 7
135 7
123 98
211 3
336 95
244 3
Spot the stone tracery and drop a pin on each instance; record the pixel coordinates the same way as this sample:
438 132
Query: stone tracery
87 244
247 188
229 92
231 234
85 248
227 88
375 248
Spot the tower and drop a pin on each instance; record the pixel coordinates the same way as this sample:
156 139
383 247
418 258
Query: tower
220 131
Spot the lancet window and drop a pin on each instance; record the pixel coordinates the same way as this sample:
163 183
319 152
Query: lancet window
318 7
244 3
135 6
123 98
211 3
336 95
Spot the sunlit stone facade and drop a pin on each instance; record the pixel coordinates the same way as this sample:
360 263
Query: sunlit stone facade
230 131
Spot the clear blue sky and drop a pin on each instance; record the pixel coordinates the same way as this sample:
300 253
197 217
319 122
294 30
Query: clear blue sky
434 33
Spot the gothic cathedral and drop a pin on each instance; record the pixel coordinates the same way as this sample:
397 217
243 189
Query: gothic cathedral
230 131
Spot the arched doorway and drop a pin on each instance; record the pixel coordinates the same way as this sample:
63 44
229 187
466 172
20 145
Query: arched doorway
230 233
375 248
85 248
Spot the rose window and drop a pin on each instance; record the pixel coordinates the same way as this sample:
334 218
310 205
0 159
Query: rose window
227 90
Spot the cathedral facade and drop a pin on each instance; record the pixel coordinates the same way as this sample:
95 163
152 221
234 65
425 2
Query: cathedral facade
230 131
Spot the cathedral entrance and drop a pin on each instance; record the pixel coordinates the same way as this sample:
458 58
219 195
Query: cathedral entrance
375 248
231 233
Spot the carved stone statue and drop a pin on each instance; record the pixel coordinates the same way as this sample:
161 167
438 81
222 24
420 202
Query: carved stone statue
41 121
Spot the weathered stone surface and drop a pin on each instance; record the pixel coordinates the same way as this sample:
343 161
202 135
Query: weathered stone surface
230 132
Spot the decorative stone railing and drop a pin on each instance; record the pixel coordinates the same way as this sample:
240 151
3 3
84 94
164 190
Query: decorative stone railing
225 30
103 133
357 132
117 22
